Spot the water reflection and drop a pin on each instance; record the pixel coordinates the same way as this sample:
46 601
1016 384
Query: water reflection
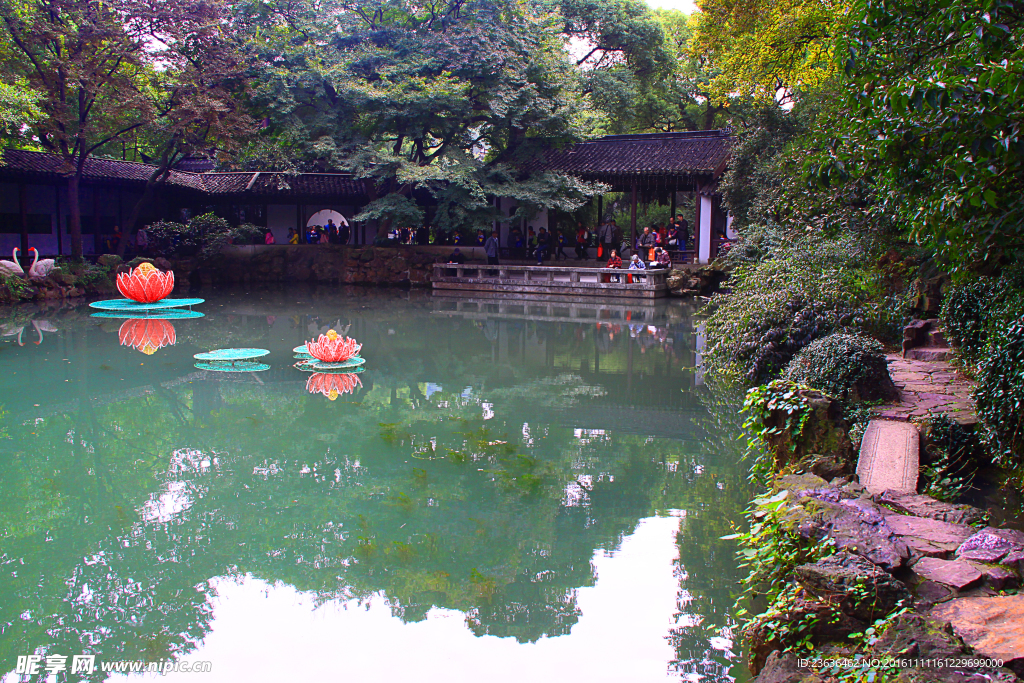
147 335
486 472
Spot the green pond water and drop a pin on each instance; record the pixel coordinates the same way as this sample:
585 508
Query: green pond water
509 491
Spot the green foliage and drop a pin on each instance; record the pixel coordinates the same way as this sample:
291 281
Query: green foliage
203 235
956 453
1000 393
13 288
963 316
760 403
247 233
933 119
771 548
780 305
841 363
977 309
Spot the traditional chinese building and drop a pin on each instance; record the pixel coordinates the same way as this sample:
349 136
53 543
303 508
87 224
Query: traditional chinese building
34 206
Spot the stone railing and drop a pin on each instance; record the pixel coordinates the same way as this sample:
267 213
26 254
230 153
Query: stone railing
551 280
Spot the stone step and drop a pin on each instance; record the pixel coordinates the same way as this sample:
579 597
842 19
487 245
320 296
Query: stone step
889 457
930 353
937 340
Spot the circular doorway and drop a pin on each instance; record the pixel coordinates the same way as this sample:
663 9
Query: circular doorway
321 217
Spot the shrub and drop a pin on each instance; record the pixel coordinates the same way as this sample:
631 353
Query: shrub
1000 393
203 235
850 367
247 233
776 308
963 316
955 454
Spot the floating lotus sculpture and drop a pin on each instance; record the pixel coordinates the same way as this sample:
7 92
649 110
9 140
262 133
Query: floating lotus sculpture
333 348
147 334
145 284
333 385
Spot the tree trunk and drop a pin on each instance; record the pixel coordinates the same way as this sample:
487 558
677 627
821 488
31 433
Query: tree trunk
75 216
128 229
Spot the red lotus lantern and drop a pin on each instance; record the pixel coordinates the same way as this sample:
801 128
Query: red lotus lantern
147 334
333 385
145 284
333 348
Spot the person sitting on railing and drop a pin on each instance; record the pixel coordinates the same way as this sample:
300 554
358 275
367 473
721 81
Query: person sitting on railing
661 259
457 257
635 264
614 261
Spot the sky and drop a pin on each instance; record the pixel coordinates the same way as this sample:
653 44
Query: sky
684 6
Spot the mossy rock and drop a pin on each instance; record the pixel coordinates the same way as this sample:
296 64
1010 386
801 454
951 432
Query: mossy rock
110 261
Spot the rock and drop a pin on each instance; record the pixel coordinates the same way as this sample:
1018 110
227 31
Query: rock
991 545
855 524
783 668
929 537
829 466
109 260
958 574
799 484
860 589
823 623
996 576
991 625
824 431
925 506
915 635
1015 561
928 593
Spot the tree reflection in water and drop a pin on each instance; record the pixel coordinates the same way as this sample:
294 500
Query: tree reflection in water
479 468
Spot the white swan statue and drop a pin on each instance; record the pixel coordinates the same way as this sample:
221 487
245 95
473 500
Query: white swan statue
40 269
12 267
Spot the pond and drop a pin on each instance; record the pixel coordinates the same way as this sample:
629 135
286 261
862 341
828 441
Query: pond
509 491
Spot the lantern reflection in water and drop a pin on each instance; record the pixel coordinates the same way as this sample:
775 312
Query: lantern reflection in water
147 334
333 385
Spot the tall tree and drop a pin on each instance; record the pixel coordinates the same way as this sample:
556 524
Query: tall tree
100 71
770 48
451 98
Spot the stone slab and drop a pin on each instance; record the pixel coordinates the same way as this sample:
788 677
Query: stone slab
931 530
889 457
925 506
991 625
955 573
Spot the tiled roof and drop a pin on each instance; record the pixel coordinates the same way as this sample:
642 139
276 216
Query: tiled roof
267 183
284 184
51 165
685 153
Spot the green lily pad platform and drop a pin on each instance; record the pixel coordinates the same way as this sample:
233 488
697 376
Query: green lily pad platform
321 366
238 366
163 314
231 355
308 367
129 306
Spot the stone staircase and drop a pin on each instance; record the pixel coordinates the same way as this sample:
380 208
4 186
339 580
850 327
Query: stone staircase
924 341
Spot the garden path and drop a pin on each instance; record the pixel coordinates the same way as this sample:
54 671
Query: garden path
928 386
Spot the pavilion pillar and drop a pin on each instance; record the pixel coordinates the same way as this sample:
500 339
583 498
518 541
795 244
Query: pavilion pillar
672 214
704 216
60 235
600 208
632 219
23 210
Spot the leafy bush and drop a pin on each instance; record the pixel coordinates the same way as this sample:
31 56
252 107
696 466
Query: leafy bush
848 366
956 452
963 316
247 233
1000 393
203 235
777 307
